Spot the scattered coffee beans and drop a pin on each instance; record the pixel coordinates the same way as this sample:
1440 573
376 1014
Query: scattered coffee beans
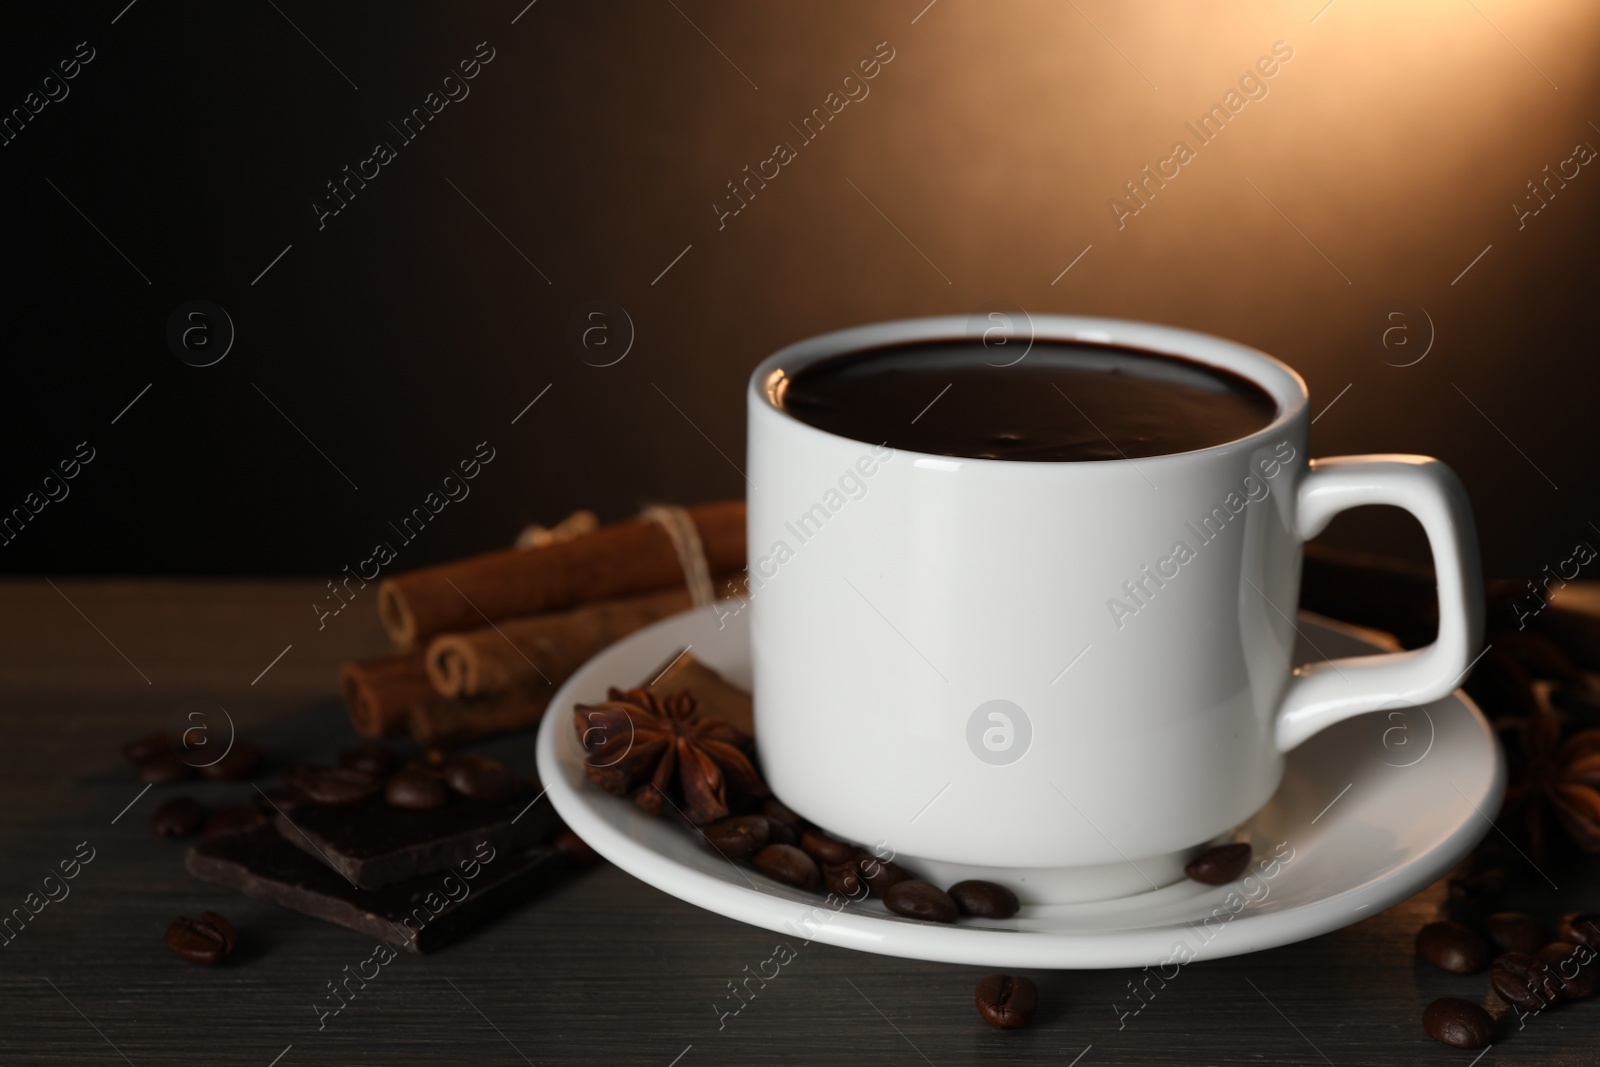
880 875
1458 1023
178 817
331 787
780 832
824 849
479 778
1005 1001
788 865
1480 887
370 757
917 899
162 767
142 748
740 836
1453 947
1525 981
1220 865
207 940
415 789
240 759
231 820
1580 927
576 847
1512 931
776 809
984 900
1574 967
843 879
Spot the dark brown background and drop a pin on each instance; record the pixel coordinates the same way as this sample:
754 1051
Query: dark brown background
597 140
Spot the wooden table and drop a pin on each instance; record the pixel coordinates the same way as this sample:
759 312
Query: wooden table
602 970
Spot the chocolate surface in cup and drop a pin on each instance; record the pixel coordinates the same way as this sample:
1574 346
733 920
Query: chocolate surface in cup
1062 401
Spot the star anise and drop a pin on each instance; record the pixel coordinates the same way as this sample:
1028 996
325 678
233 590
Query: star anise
1553 775
641 745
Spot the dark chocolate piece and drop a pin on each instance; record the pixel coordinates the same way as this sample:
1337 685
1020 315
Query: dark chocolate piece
420 914
374 844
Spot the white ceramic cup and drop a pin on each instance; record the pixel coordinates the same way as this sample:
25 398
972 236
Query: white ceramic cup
941 663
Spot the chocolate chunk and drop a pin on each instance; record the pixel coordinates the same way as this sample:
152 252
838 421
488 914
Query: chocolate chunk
420 914
370 757
480 778
1452 947
788 865
416 789
240 759
178 817
917 899
740 836
1220 865
984 900
1005 1001
1458 1023
374 844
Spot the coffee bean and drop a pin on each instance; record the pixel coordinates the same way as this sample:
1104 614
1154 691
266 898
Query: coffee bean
880 875
233 819
1580 927
984 900
178 817
788 865
416 790
740 836
780 832
1574 966
1005 1001
272 801
824 849
1512 931
1480 887
1220 865
239 761
224 928
480 778
1525 981
163 767
1453 947
843 879
370 757
917 899
206 940
576 848
1458 1023
331 787
142 748
776 809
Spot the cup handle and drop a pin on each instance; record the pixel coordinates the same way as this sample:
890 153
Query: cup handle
1322 694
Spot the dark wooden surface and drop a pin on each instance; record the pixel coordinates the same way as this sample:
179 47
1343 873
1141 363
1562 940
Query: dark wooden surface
603 970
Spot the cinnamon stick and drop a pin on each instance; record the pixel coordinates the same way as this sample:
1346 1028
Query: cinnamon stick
622 559
538 653
379 692
447 723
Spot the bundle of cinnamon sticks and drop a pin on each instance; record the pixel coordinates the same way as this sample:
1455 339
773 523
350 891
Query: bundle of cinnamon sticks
482 644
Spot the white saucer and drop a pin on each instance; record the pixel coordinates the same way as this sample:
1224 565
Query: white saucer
1371 810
